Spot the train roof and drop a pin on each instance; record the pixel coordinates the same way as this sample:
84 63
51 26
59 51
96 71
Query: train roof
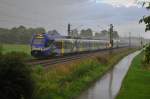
58 37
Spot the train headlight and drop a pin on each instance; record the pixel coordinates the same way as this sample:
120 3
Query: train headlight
43 49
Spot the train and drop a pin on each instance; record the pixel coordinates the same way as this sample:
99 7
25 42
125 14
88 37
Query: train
45 45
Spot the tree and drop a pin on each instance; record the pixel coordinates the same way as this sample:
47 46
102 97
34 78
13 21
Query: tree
21 29
115 35
15 78
40 30
146 19
86 33
1 50
103 33
21 34
97 34
4 35
74 33
53 32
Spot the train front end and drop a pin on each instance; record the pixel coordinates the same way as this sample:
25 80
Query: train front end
39 47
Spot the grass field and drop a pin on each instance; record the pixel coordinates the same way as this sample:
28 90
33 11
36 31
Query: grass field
16 48
67 81
137 82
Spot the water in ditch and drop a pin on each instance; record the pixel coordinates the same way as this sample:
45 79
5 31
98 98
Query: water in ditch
109 85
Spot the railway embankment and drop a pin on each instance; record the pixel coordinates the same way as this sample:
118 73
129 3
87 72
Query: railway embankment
136 84
68 80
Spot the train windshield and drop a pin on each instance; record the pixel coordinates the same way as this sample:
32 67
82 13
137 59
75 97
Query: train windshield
38 41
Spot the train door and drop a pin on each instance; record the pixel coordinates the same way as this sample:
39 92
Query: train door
59 47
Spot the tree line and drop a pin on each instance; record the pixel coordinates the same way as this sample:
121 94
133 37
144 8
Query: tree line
89 33
23 35
18 35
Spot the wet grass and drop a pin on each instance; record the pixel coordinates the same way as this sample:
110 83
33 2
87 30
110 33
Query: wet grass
137 82
16 48
69 80
19 49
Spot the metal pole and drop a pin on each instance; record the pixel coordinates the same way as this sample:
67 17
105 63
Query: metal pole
118 42
141 41
69 29
111 35
129 39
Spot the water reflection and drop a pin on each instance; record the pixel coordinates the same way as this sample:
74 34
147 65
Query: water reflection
108 86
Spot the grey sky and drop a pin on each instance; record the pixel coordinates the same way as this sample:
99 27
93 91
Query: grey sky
55 14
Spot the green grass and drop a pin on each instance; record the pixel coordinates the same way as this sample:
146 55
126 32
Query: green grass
69 80
16 48
137 82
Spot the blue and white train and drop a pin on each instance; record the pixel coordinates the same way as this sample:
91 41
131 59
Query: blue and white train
44 45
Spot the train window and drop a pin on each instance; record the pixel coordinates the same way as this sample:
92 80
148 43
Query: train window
38 41
58 44
68 45
87 44
65 44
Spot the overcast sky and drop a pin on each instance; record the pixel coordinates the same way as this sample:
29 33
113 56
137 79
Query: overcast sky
56 14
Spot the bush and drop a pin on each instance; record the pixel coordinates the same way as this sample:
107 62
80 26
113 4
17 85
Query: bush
147 54
102 59
1 49
15 78
19 55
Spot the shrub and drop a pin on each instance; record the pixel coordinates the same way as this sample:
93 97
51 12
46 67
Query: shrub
147 54
102 59
1 49
15 78
19 55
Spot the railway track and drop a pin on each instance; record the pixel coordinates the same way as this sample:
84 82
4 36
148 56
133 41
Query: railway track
53 61
49 62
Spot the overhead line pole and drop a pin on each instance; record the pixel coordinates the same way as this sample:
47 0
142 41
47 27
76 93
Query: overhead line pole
141 42
69 29
129 39
111 35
